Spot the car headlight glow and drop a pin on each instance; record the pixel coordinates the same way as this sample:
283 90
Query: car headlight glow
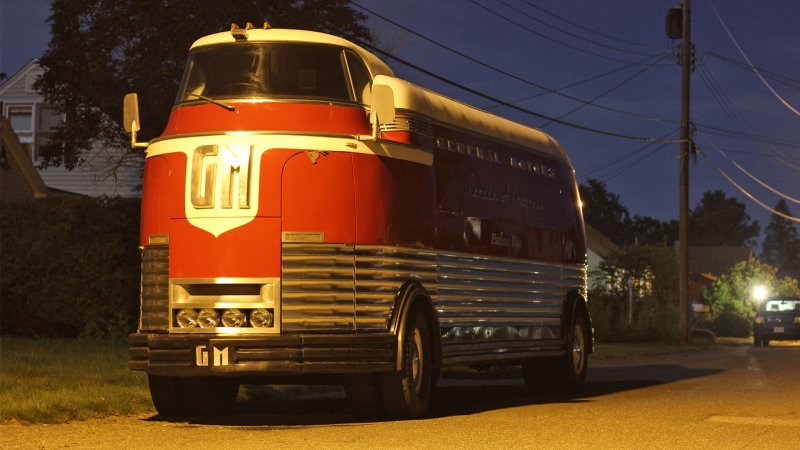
208 318
261 318
759 320
233 318
186 318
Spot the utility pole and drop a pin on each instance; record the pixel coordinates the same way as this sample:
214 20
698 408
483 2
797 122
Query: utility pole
683 245
679 26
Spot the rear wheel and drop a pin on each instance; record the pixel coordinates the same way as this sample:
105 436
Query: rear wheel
565 373
406 393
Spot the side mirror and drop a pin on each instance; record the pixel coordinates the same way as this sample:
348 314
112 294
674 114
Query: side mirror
382 109
130 118
382 103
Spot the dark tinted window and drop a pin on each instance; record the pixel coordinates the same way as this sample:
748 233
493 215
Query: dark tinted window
360 76
287 70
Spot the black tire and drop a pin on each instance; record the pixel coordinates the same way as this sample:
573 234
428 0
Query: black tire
364 397
210 396
565 373
167 395
406 393
757 342
765 342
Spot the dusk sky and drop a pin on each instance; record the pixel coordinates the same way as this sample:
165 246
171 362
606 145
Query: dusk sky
557 43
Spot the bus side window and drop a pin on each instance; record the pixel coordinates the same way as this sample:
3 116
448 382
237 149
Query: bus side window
360 76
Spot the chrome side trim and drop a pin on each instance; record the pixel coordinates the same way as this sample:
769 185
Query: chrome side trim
409 121
154 304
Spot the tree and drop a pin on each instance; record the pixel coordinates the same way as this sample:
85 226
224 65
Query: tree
102 49
719 220
733 291
781 246
604 210
649 231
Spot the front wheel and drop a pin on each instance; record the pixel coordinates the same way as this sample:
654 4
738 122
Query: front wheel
566 373
406 393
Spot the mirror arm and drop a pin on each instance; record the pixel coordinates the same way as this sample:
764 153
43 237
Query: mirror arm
134 130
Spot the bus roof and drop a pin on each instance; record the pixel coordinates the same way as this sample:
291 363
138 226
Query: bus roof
375 65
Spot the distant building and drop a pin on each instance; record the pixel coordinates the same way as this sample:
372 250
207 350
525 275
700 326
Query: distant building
19 179
32 119
598 248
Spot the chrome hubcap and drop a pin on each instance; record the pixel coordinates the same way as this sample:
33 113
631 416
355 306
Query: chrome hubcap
578 347
416 361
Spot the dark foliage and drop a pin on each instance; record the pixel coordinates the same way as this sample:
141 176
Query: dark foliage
70 267
781 247
732 324
719 220
101 49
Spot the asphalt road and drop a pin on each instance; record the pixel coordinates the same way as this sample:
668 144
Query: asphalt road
726 397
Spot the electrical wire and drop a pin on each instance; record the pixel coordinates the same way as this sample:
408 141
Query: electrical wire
599 168
511 75
744 191
729 108
743 65
545 36
581 38
509 105
608 36
606 92
758 74
746 172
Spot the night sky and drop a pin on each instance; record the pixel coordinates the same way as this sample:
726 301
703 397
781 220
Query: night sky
556 43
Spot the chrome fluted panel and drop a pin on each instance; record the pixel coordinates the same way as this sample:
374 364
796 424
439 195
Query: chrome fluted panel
154 313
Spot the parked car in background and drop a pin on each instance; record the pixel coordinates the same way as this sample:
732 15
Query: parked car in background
777 319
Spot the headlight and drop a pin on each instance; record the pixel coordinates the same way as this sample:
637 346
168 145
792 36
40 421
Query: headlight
759 320
233 318
208 318
797 319
186 318
261 318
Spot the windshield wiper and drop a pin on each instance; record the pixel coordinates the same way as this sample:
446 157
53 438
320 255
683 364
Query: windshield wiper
211 100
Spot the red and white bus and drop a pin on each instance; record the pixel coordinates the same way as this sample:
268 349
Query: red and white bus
307 214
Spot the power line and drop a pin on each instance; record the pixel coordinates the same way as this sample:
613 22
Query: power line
508 74
746 172
544 36
591 171
608 36
743 65
744 191
758 74
509 105
581 38
607 91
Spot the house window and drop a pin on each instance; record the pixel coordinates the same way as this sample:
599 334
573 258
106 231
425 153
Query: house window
47 118
21 118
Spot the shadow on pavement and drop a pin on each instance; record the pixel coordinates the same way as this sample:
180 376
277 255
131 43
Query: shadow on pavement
455 395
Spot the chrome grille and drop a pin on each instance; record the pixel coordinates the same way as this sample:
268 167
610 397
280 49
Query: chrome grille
408 121
154 315
317 287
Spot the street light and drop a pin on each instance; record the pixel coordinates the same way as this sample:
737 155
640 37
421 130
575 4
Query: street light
760 293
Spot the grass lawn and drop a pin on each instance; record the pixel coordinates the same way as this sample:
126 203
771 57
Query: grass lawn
56 380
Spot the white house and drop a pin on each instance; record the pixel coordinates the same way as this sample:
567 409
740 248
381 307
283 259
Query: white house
31 119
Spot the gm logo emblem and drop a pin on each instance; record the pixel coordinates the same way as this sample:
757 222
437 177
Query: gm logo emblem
220 356
221 172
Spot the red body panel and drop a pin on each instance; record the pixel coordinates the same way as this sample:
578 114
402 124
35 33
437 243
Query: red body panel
268 116
251 251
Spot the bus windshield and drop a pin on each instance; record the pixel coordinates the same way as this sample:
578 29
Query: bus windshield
266 70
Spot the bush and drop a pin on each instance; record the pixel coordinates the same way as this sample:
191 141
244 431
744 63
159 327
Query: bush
70 267
732 324
654 320
703 335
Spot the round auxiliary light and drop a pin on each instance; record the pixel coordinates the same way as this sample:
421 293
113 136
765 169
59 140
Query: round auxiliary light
233 318
261 318
186 318
207 318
